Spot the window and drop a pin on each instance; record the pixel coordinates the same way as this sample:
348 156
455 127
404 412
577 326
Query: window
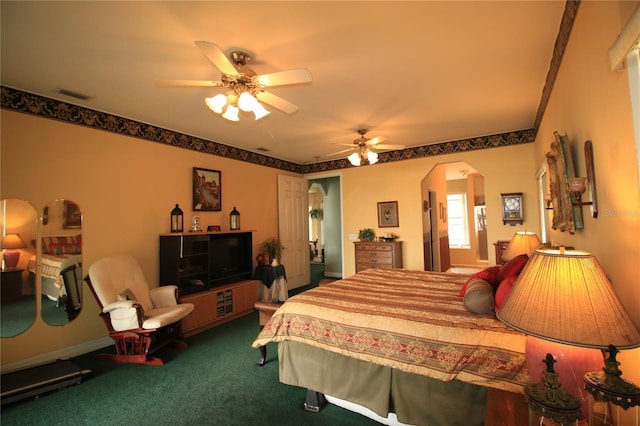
458 223
633 70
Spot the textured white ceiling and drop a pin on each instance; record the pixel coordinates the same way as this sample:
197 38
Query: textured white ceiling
416 72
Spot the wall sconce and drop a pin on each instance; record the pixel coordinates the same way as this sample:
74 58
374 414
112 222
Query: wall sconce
578 185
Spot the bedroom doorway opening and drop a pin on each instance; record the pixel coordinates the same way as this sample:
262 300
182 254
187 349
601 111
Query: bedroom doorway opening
325 228
454 218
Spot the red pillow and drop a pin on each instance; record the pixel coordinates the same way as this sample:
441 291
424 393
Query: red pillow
489 275
503 290
513 267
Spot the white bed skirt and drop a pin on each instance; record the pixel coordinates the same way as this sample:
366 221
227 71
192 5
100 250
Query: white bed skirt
390 420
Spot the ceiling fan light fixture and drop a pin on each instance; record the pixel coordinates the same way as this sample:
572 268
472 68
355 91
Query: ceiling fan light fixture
231 113
260 111
216 103
355 159
372 157
247 102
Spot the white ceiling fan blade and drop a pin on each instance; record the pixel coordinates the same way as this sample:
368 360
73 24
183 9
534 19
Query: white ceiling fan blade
385 146
377 140
283 78
277 102
217 57
339 152
187 83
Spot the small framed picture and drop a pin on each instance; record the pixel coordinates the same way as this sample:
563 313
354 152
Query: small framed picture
207 190
71 215
388 214
214 228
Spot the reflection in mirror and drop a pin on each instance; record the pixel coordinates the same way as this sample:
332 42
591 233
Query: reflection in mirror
18 223
61 260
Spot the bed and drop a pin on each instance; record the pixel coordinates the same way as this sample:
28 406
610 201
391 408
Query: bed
397 341
58 253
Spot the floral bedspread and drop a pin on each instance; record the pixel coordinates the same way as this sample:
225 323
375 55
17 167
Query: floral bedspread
413 321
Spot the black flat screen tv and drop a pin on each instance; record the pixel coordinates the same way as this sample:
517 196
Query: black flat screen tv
230 258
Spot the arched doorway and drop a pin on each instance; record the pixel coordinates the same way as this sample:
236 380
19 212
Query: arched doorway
454 217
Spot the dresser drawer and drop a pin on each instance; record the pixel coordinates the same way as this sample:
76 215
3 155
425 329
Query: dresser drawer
379 256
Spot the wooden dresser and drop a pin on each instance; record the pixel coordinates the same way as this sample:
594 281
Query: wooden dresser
378 254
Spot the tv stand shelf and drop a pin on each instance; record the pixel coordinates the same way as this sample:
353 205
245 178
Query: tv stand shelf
214 271
219 305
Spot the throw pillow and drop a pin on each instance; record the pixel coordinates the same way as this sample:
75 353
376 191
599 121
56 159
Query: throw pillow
512 268
503 291
489 274
479 297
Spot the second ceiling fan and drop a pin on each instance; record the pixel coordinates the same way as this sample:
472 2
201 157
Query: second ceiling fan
363 149
245 87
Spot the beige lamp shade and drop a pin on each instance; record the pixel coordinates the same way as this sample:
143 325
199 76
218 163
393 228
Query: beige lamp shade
564 296
522 243
12 242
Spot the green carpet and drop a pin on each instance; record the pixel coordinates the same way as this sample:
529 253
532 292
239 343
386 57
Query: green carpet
214 382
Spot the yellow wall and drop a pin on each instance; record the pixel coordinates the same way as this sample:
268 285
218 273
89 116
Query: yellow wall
126 188
591 102
508 169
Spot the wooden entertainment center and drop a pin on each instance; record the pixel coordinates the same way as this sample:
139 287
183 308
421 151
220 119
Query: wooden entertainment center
219 305
213 270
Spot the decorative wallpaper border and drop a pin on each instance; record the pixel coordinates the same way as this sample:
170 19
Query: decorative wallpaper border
28 103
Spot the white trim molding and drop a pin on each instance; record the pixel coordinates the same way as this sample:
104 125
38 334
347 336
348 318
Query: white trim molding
63 353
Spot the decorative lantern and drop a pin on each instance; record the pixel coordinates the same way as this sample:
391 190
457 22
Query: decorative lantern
234 220
176 220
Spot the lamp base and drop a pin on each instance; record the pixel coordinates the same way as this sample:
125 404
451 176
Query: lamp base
572 363
549 400
11 258
609 386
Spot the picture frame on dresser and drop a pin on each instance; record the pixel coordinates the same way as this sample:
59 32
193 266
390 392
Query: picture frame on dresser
207 190
388 214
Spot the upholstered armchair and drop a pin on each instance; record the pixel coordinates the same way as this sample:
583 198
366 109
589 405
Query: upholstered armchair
140 319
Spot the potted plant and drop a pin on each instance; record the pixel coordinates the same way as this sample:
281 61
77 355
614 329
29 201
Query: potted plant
366 234
315 214
272 247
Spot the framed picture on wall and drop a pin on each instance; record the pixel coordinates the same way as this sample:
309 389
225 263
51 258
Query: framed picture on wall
207 190
71 215
388 214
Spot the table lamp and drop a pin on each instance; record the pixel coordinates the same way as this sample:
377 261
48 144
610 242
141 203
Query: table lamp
12 243
564 302
522 242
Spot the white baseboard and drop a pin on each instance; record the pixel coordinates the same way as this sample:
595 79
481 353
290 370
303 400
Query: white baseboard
333 274
65 353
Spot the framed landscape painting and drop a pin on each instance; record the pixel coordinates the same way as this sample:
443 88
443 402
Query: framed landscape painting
207 190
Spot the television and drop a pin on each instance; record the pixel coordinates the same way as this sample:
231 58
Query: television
230 258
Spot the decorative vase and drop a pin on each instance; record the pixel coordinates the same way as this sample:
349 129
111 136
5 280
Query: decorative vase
274 262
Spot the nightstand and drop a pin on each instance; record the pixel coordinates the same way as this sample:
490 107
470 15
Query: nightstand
11 284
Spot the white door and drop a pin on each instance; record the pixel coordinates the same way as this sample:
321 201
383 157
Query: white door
293 223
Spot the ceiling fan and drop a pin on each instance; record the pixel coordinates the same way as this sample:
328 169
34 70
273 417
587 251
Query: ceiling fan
363 149
245 87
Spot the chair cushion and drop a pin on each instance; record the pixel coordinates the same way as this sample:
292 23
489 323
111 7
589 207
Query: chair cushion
124 319
113 276
159 317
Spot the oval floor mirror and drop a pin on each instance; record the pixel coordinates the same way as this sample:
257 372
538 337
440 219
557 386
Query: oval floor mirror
19 229
61 259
